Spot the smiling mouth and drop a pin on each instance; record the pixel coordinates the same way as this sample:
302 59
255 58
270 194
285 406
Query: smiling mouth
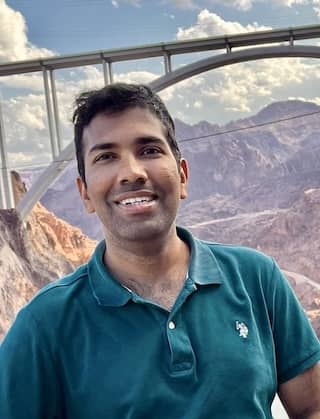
137 201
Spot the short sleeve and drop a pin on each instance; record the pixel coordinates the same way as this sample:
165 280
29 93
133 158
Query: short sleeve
296 344
27 373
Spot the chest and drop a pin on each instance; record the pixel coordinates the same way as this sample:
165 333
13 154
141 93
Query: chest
187 363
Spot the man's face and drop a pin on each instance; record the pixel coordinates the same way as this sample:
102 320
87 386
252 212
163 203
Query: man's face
133 182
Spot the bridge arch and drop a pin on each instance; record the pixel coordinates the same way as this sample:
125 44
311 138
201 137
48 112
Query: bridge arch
36 191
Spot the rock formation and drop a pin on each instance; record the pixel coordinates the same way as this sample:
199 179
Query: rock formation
34 252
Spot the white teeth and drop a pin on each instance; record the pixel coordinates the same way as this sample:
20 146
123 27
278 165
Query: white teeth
136 201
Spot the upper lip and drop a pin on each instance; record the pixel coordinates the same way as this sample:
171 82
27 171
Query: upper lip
135 194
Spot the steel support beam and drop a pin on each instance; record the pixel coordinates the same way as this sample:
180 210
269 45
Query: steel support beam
110 73
40 186
6 192
167 63
55 110
249 54
53 140
105 72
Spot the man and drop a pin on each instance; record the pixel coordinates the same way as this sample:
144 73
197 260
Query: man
158 324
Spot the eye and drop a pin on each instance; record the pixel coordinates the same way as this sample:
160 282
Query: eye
104 157
151 151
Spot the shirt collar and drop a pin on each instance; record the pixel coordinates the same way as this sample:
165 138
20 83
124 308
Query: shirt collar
203 270
106 289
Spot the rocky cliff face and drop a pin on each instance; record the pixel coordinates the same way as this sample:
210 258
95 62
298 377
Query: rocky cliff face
34 252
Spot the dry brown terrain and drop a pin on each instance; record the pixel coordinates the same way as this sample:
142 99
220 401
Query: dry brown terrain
33 253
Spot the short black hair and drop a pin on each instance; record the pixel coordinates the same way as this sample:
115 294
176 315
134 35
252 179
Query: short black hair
114 98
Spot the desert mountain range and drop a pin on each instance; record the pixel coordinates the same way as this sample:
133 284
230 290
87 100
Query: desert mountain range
254 182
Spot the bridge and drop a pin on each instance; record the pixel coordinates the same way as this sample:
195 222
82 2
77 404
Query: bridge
231 49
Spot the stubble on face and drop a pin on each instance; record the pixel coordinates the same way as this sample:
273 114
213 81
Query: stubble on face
132 173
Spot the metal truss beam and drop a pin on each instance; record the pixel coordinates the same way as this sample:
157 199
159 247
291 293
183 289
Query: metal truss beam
6 192
250 54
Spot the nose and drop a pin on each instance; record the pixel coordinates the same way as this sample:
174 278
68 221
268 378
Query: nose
132 170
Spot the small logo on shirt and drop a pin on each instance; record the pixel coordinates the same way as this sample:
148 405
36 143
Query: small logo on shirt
242 329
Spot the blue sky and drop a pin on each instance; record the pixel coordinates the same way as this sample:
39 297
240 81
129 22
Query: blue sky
37 28
72 26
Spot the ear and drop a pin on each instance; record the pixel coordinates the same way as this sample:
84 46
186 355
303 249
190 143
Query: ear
184 174
84 195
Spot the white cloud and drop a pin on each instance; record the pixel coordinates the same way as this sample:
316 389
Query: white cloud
198 104
117 3
211 24
23 81
236 91
192 84
14 44
316 8
237 4
144 77
242 5
29 111
247 4
169 15
25 127
315 100
183 4
290 3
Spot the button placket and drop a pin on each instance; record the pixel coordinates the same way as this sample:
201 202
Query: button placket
182 356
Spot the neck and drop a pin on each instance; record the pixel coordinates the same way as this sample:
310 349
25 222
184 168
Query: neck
146 266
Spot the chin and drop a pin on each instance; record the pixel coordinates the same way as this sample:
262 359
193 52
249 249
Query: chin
147 231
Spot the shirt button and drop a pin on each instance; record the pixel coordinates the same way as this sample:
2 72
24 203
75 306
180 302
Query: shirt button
172 325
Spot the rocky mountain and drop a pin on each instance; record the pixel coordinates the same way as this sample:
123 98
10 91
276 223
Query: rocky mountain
34 252
249 151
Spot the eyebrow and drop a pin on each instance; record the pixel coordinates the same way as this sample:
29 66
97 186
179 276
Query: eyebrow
149 139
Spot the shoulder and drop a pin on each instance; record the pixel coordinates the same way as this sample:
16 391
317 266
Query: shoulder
55 297
232 264
257 272
241 257
65 283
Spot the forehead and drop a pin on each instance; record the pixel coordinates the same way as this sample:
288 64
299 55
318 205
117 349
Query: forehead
118 127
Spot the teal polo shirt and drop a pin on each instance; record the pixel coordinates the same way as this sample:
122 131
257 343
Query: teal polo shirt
86 347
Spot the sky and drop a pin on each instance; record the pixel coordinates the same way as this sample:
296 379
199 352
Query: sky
31 29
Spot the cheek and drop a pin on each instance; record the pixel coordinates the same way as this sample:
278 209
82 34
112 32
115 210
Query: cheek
168 180
98 181
169 175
